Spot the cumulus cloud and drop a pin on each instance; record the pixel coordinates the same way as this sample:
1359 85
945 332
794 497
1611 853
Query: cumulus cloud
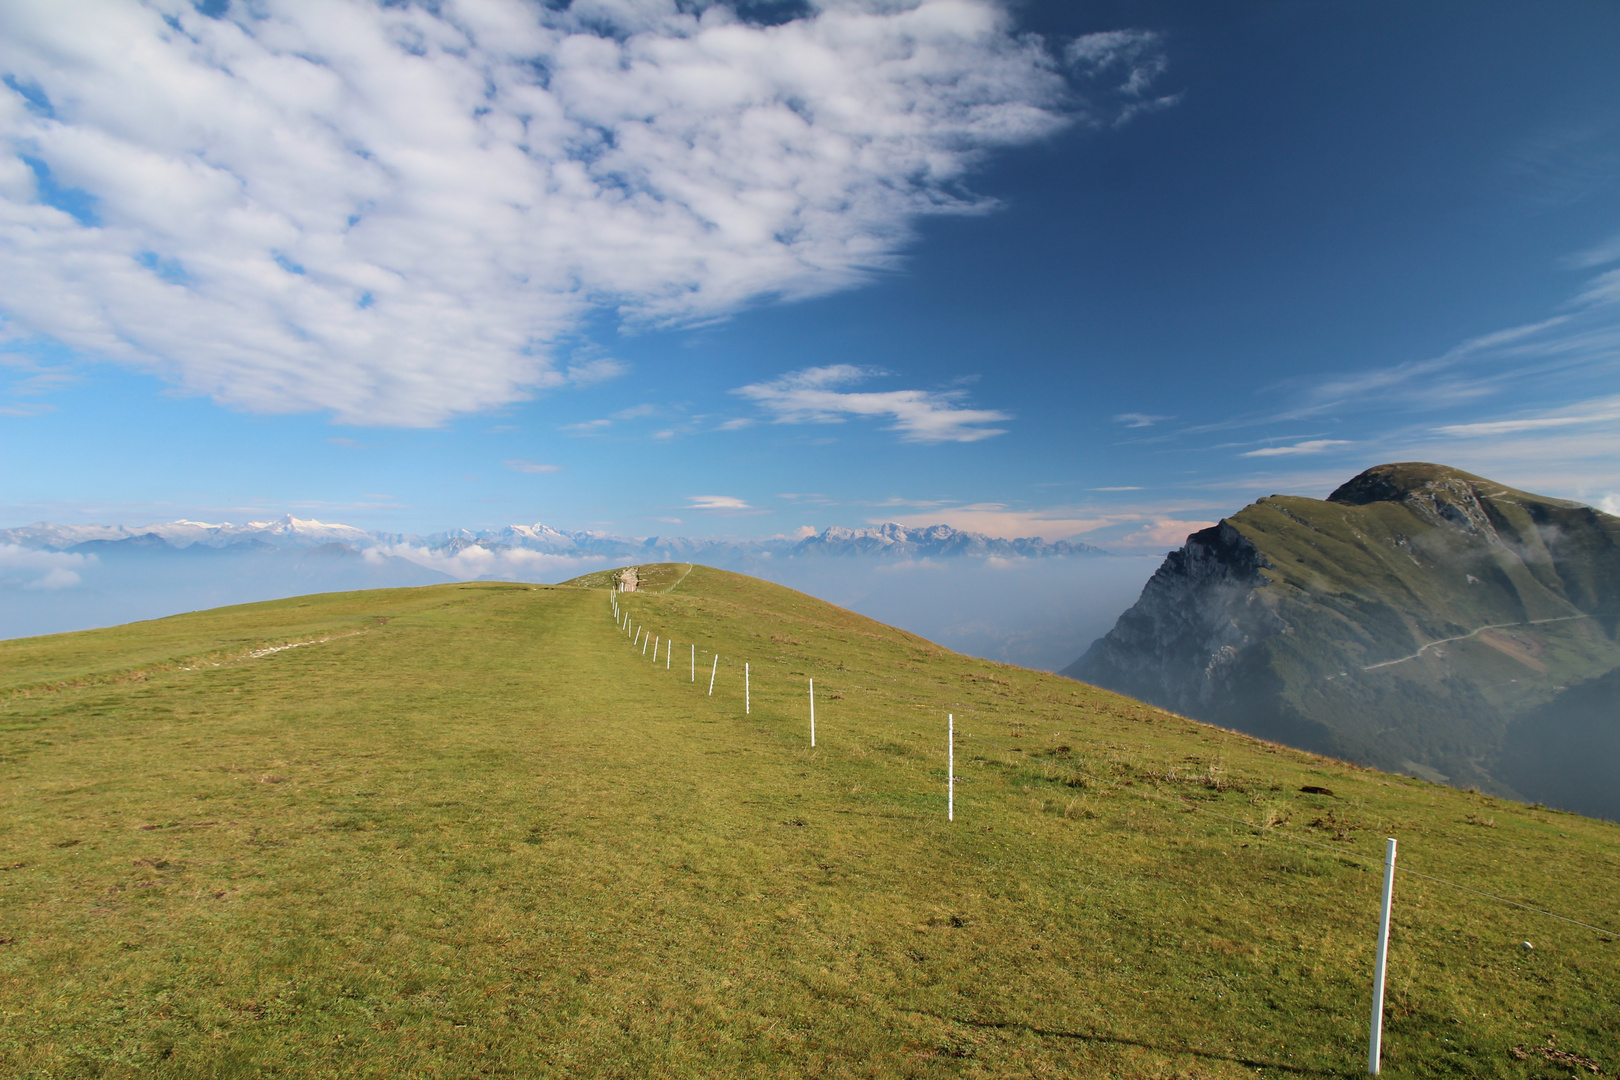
31 568
923 416
394 211
1310 446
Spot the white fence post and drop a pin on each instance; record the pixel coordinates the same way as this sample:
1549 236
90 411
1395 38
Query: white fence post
1375 1041
812 712
747 700
711 673
950 768
694 661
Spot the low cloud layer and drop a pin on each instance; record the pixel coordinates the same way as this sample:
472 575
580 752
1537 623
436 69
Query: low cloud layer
476 562
30 568
396 212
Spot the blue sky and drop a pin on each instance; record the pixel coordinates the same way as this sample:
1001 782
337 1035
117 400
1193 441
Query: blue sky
1103 271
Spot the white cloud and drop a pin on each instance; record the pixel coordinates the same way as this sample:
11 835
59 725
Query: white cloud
393 211
517 465
1514 427
31 568
1126 63
923 416
590 372
717 502
57 577
587 427
1136 419
1310 446
1164 532
1598 255
1603 289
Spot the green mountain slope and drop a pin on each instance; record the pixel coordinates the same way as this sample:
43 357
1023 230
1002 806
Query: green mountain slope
478 830
1405 622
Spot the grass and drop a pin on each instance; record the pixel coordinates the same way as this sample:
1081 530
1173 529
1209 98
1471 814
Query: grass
475 832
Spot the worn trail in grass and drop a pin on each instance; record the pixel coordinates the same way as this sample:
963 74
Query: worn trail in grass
476 832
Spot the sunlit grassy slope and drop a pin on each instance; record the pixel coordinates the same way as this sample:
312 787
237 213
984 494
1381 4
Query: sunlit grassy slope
472 830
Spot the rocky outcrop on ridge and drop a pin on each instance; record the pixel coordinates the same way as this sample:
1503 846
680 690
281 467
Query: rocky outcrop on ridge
1178 645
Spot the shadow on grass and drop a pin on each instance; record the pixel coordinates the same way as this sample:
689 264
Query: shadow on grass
1118 1040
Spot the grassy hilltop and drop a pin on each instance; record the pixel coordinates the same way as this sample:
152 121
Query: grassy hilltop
471 830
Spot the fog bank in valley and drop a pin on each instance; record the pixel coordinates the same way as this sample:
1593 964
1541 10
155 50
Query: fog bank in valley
1038 613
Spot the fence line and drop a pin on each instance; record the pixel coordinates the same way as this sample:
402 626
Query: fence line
1184 802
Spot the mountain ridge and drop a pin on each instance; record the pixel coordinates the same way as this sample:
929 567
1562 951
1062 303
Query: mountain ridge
1408 621
888 540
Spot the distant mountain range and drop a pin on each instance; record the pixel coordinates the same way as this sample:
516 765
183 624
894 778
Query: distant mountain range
1421 619
886 541
1027 600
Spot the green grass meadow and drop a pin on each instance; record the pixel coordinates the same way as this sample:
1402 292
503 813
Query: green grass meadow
472 830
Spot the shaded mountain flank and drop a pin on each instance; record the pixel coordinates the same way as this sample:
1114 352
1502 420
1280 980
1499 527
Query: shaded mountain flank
1421 620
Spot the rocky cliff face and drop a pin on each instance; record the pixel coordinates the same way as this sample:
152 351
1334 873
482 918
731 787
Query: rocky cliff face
1178 645
1406 622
